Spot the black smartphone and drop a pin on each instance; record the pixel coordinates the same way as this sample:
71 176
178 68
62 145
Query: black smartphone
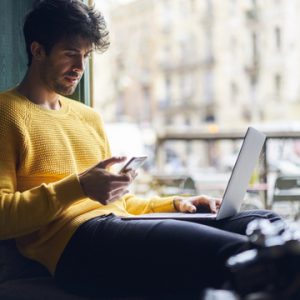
133 164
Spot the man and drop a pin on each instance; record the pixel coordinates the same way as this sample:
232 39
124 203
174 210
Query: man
58 198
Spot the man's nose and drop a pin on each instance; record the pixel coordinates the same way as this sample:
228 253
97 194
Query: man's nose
79 65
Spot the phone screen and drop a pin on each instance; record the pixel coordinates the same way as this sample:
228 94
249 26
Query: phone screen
133 164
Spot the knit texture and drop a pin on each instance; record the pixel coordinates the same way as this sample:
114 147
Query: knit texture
41 153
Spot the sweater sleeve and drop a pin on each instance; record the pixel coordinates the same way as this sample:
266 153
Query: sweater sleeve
137 206
24 212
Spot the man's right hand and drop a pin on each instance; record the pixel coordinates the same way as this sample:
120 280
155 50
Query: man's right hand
104 186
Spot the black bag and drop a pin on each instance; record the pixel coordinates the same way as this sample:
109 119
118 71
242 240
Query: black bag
272 269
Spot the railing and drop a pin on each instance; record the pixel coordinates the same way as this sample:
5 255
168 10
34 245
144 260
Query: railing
209 137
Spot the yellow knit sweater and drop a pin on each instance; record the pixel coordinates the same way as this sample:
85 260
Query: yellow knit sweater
41 153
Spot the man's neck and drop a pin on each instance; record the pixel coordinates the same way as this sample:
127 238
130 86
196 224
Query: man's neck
36 93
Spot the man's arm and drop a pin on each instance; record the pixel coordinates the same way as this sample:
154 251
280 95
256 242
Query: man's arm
24 211
136 205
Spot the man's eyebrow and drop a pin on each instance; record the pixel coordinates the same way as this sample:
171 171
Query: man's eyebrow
77 50
71 49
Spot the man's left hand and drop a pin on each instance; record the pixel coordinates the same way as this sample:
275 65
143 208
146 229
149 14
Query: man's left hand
191 204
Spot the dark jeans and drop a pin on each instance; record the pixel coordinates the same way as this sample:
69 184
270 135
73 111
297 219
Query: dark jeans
109 254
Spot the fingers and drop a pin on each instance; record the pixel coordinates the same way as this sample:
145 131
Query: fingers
111 161
113 195
132 173
187 206
212 206
113 186
117 193
119 178
128 176
191 208
118 196
107 198
190 204
216 202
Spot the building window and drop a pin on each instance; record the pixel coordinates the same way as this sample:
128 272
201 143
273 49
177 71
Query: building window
193 5
278 38
278 85
254 47
168 90
233 92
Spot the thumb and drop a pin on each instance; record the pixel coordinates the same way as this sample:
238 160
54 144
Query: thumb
111 161
192 208
213 207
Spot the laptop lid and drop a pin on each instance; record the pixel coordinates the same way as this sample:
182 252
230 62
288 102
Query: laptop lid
241 173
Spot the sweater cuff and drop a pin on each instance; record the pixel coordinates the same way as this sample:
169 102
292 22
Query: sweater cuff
68 190
163 204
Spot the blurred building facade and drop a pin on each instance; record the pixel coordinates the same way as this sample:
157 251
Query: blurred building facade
189 62
202 64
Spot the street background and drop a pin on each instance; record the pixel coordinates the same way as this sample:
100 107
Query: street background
201 67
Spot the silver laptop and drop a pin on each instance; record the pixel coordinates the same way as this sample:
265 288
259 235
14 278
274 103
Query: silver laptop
236 187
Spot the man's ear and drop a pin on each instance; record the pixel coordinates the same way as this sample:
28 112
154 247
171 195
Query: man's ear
37 51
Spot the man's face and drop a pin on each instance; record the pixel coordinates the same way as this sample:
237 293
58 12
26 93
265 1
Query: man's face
63 67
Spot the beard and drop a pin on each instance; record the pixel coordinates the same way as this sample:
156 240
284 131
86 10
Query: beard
64 90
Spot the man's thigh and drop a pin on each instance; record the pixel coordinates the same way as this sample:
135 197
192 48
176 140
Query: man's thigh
163 253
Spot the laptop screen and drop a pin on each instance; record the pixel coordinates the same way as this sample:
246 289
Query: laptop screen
241 173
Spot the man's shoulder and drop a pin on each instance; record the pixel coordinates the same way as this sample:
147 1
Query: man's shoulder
8 101
7 94
12 109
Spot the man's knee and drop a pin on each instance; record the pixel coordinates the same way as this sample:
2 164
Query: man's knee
260 213
239 222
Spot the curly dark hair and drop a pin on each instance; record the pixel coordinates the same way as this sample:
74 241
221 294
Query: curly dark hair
50 21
